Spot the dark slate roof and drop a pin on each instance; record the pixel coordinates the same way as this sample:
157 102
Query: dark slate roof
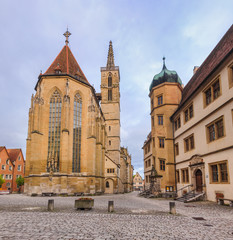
165 76
220 52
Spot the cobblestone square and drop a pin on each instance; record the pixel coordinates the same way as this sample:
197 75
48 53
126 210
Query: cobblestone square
24 217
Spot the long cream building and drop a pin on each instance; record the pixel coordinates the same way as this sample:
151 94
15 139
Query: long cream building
71 136
199 126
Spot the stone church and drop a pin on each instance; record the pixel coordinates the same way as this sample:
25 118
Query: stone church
74 132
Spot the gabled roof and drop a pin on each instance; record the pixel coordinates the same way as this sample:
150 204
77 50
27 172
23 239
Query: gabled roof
1 148
13 154
219 53
67 64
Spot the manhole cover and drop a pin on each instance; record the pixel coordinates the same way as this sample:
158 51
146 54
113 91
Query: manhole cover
199 218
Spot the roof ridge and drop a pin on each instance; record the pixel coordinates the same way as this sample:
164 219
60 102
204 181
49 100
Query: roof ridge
208 61
78 64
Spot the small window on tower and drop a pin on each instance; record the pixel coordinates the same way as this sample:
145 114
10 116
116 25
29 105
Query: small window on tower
110 80
110 143
109 94
109 128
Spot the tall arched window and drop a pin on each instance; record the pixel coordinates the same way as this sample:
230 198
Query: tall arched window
110 80
77 133
54 132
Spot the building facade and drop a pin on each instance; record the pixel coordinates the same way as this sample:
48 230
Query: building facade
149 160
126 170
137 182
12 166
165 95
197 126
203 138
71 136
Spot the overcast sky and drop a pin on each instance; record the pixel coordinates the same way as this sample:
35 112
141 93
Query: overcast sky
142 33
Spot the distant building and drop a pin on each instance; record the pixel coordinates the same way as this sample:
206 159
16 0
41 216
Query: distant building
137 182
148 160
192 127
11 167
126 170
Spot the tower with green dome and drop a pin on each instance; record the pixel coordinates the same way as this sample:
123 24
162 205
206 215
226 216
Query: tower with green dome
165 96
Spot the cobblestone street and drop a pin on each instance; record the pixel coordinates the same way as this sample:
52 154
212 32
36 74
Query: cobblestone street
23 217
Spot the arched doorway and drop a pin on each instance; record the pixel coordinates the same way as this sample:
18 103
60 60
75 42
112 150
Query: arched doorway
109 186
199 183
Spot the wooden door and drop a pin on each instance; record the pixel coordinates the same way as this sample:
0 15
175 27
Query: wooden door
198 180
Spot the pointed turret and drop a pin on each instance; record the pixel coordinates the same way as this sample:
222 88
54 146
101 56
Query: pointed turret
110 62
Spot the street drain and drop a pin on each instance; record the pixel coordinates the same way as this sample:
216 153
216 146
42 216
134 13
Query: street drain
199 218
208 225
189 206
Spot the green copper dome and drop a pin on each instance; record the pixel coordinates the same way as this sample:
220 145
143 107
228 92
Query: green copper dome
165 76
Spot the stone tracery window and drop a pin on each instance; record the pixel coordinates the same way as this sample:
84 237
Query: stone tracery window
54 132
77 129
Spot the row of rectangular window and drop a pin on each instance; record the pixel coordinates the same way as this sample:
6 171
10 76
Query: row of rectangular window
110 170
148 163
215 130
7 176
147 149
159 101
160 120
210 94
10 168
218 173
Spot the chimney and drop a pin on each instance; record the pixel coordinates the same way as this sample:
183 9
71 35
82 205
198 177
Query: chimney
195 69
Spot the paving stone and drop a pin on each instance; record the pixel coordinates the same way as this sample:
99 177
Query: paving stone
134 218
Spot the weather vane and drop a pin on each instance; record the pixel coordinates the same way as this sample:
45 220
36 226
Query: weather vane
67 34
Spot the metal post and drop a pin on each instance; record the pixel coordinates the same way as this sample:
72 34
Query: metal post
172 207
50 205
110 206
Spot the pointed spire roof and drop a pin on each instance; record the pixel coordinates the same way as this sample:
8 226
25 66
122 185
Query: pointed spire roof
110 62
65 63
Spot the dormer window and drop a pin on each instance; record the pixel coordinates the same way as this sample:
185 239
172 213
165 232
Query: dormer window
57 69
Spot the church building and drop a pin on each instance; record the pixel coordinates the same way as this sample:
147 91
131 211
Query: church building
72 130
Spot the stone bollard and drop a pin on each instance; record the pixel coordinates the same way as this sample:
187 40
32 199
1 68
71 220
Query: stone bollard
172 207
110 206
50 205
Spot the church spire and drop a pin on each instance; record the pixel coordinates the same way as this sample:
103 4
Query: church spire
110 62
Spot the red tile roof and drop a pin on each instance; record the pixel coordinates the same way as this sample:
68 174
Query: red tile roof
66 62
13 154
1 148
220 52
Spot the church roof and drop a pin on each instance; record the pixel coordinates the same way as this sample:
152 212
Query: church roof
66 63
165 76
